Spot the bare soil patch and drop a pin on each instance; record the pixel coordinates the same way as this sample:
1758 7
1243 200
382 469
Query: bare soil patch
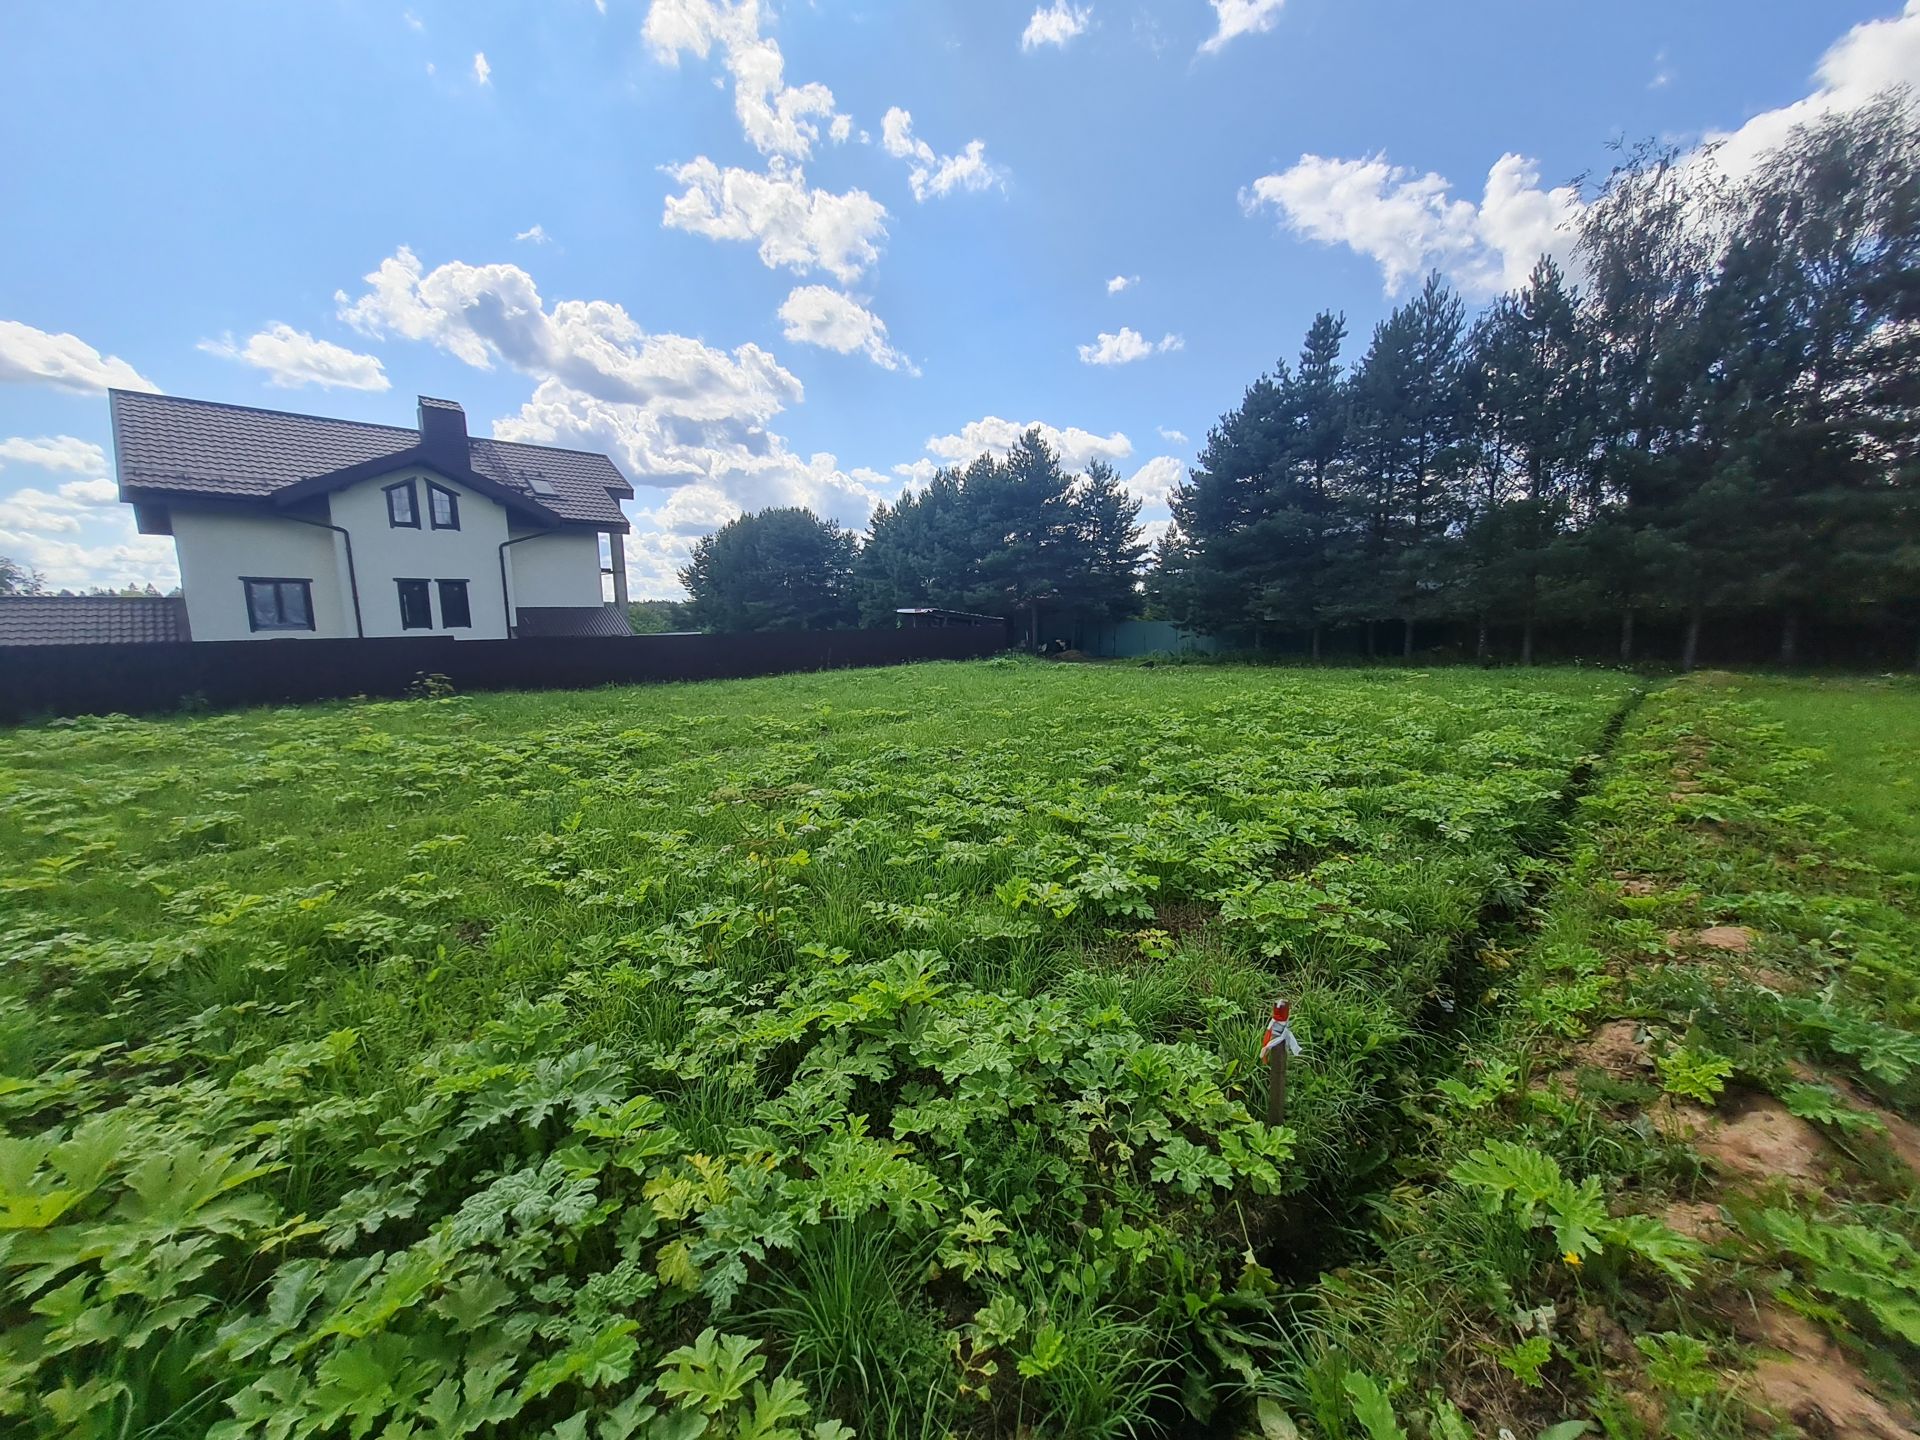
1812 1384
1762 1141
1697 1220
1735 938
1617 1048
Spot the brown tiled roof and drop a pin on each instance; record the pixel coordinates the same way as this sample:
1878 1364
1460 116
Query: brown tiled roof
548 620
91 619
165 445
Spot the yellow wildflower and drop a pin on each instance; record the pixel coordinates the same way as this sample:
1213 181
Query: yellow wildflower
1572 1257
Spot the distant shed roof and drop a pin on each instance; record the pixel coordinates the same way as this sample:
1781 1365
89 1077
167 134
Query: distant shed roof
928 615
166 446
91 619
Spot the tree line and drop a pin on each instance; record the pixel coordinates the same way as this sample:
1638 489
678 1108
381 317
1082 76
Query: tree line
1012 535
18 578
1720 418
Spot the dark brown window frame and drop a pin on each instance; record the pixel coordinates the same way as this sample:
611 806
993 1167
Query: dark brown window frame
426 596
413 506
453 507
466 604
247 582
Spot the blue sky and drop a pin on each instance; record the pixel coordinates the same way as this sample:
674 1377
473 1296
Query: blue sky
796 253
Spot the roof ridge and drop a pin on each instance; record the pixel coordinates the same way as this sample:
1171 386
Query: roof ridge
536 445
116 394
58 596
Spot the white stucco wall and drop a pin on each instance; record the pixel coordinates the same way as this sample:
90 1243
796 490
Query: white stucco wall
384 554
217 548
558 569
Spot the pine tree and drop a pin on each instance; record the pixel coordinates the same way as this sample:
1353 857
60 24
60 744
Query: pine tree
1318 406
1104 577
1531 394
1219 574
779 569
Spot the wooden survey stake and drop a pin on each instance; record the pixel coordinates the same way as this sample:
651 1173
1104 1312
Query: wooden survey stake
1278 1045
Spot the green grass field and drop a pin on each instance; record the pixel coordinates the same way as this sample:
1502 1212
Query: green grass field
1673 1188
754 1058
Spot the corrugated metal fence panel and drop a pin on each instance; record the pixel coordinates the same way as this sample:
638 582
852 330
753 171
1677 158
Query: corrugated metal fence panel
136 679
1125 639
1132 638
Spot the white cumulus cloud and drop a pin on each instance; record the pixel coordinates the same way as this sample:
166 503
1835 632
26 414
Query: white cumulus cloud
292 358
1174 437
992 435
1870 58
1055 24
78 536
1154 482
819 315
482 71
1122 282
1409 223
66 454
793 226
931 173
776 118
1240 17
1125 346
534 234
66 362
672 411
484 313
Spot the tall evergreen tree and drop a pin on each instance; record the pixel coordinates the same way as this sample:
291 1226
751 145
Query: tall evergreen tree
1318 408
1532 397
1827 265
779 569
1103 579
1647 248
1258 540
1014 535
1225 567
920 551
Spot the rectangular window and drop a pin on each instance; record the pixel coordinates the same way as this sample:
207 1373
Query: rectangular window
279 604
444 507
401 511
416 607
455 614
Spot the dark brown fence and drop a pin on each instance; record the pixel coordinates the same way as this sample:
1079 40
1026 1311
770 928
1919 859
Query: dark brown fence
1735 642
139 679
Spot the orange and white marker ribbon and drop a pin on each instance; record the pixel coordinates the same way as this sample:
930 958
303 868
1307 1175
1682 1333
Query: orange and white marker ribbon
1279 1032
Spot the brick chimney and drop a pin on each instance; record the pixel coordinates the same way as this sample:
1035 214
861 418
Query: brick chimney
443 430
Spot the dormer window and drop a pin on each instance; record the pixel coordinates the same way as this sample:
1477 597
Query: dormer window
403 511
443 505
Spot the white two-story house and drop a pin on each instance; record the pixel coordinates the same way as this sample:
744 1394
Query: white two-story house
297 526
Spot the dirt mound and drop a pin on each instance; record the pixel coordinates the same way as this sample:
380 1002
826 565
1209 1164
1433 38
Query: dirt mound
1697 1220
1729 939
1617 1048
1814 1386
1762 1141
1751 1138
